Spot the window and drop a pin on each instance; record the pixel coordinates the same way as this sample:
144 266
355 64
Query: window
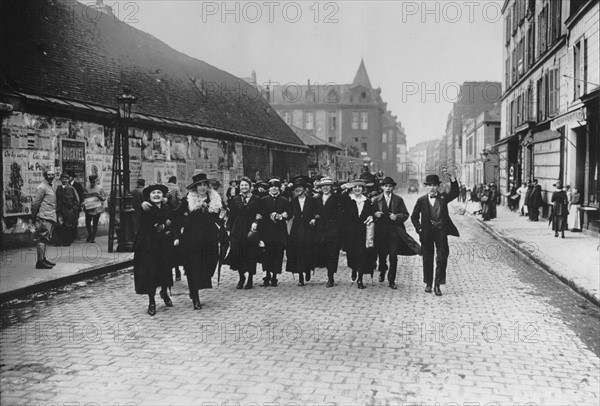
355 139
585 65
364 146
531 8
355 120
310 96
363 96
531 45
332 121
540 100
364 120
309 120
576 71
496 134
384 138
520 63
554 21
507 73
331 139
384 155
542 30
515 20
553 91
287 117
507 33
514 66
575 5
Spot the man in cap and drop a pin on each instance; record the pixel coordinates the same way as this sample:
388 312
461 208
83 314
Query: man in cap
43 215
433 224
273 229
174 195
67 210
390 234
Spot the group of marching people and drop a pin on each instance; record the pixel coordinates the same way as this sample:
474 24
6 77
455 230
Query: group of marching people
309 226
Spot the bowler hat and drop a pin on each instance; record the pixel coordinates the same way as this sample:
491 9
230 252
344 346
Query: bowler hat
156 186
432 180
388 181
196 179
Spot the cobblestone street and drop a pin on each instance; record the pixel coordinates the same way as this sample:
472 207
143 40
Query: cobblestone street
504 332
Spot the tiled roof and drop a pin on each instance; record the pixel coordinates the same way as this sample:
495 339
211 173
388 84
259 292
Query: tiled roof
362 77
312 140
63 49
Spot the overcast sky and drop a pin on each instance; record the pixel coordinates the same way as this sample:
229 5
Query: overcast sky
416 51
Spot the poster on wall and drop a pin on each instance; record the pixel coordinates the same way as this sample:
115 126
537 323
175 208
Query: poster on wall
135 160
72 153
101 166
22 174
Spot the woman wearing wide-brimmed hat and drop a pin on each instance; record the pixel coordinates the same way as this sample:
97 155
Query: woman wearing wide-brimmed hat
198 234
153 248
560 209
328 229
300 250
244 212
357 214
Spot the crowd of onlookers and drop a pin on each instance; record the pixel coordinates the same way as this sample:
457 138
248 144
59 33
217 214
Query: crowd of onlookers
527 201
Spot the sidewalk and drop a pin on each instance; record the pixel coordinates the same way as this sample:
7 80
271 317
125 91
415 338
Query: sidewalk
79 261
575 260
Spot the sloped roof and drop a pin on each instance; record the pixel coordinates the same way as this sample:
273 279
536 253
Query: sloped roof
362 77
64 49
312 140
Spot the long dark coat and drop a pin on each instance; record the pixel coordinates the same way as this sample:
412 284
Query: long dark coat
535 198
386 229
355 235
244 252
152 251
560 210
328 231
199 240
300 250
273 231
67 205
486 207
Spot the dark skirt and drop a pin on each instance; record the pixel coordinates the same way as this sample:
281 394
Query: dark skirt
200 265
151 271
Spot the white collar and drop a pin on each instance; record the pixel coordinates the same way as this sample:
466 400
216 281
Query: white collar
360 199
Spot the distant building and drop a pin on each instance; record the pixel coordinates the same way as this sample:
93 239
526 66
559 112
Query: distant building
322 158
352 116
479 134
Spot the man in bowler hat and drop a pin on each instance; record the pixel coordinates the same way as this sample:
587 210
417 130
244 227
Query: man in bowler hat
432 221
390 234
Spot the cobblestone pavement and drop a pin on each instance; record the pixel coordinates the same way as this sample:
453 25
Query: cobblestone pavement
504 332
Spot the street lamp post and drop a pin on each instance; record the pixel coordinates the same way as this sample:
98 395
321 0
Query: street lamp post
125 238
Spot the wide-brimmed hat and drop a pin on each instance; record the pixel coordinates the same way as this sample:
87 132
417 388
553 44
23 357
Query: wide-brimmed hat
558 184
432 180
358 182
93 178
198 178
387 181
275 182
232 181
263 184
164 189
326 181
299 182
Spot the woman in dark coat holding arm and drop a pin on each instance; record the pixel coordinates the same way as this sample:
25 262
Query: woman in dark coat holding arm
560 209
244 209
153 249
357 214
198 234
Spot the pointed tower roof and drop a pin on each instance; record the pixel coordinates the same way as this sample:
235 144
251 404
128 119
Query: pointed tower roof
362 78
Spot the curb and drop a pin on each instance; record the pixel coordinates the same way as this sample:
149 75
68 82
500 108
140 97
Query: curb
513 245
65 280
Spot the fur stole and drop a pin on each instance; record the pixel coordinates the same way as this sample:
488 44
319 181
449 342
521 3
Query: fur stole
212 202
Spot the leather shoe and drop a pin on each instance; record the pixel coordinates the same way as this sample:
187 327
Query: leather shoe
307 277
428 288
360 285
381 277
197 304
273 282
166 298
354 275
437 290
329 284
48 262
393 286
152 309
266 282
42 265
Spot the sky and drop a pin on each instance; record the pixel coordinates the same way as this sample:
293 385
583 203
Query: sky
418 52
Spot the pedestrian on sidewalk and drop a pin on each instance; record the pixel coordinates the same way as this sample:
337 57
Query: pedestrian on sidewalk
357 215
432 221
328 229
67 210
275 210
391 238
153 248
198 215
494 201
560 209
93 202
244 213
522 192
43 216
512 197
301 249
535 201
486 203
573 221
